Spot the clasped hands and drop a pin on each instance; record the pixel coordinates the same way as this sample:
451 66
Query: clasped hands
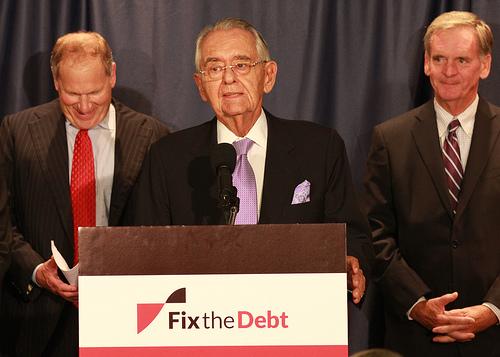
48 278
458 325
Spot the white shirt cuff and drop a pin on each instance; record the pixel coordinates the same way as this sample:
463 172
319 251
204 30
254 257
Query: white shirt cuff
411 308
33 276
495 310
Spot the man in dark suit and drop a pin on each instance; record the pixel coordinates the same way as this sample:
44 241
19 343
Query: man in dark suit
83 146
5 230
433 193
301 173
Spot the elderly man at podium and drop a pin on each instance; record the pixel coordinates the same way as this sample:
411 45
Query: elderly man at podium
286 171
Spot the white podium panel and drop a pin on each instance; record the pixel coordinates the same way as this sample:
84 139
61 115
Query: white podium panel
258 290
214 315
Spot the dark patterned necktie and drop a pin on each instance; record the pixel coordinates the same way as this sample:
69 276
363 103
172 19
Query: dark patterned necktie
82 186
452 163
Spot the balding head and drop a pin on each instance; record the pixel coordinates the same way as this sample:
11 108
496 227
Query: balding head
79 46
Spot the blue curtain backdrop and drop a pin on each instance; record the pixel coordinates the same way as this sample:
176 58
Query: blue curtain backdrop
347 64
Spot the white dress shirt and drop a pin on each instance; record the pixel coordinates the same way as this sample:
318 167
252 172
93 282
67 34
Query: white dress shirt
102 137
464 131
257 153
103 145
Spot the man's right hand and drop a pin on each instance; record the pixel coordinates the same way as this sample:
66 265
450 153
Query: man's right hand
48 278
432 313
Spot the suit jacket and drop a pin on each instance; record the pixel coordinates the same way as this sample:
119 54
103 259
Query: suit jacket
421 248
178 185
34 150
5 230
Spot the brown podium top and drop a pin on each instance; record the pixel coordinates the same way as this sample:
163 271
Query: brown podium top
251 249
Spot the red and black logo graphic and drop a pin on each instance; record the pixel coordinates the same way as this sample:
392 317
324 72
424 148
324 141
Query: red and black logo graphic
146 313
209 320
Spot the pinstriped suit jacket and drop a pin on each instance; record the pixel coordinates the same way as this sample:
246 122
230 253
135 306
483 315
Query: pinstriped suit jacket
5 232
34 151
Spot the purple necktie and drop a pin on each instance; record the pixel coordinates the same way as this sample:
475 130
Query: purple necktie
244 181
452 164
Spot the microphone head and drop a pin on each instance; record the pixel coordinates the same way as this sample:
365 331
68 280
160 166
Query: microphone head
223 155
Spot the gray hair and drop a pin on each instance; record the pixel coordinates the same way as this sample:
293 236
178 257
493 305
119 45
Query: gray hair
229 24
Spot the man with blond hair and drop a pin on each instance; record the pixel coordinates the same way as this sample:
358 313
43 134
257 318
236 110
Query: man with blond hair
433 190
71 162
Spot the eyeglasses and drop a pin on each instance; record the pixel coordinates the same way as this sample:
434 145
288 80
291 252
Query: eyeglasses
215 70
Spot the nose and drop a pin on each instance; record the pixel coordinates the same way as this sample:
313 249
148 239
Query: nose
450 69
84 105
228 75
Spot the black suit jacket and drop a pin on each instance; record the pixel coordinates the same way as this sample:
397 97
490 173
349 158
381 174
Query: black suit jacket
422 250
178 185
34 151
5 231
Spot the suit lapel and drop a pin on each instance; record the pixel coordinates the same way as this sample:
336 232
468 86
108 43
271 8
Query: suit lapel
426 138
486 131
280 152
48 133
202 178
214 189
131 144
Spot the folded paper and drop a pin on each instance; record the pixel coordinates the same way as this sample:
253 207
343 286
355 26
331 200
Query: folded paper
71 275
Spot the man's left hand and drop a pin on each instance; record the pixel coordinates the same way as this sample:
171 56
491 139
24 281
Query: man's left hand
483 319
355 279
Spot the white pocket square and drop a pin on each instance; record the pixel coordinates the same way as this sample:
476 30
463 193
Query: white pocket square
301 193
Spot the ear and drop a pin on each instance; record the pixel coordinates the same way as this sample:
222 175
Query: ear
113 75
54 80
427 64
485 66
270 72
199 84
56 83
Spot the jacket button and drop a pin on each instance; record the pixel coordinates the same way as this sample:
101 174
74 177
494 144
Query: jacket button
454 243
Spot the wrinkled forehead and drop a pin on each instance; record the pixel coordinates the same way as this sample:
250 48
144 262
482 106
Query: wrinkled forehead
79 69
455 37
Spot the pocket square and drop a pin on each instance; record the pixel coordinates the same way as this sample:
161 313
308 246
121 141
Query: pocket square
301 193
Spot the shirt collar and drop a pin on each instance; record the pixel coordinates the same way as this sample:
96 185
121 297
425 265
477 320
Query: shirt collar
258 132
466 118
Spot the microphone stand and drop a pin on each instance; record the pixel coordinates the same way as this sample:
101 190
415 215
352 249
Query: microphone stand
229 203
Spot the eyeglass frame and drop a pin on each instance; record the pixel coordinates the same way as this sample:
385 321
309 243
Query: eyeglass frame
231 66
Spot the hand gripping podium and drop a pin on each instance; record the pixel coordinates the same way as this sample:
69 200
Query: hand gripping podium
256 290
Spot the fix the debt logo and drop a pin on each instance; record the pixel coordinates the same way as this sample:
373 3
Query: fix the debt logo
146 313
242 319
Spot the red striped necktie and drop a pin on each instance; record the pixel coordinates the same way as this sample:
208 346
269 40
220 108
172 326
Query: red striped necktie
452 163
82 186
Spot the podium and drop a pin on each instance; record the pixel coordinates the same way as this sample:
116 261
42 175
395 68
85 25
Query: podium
256 290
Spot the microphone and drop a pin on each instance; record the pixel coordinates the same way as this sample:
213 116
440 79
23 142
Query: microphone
223 160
